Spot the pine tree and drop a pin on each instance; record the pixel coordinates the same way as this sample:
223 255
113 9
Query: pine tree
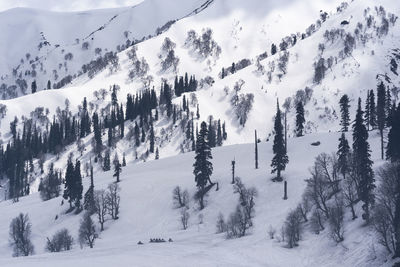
98 144
299 119
88 200
78 188
212 139
69 183
343 155
344 110
137 135
273 49
367 113
202 167
106 161
372 110
143 139
151 138
219 134
33 87
117 168
363 163
380 112
280 159
123 160
157 154
198 112
393 146
48 85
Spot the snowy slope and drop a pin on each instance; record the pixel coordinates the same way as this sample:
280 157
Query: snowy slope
147 212
45 38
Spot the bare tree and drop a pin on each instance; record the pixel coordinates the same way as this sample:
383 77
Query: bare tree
61 241
271 232
221 225
293 228
350 195
180 198
113 200
101 206
305 207
20 236
336 220
184 218
317 221
87 231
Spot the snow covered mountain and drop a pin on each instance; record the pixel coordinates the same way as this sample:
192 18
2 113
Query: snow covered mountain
241 57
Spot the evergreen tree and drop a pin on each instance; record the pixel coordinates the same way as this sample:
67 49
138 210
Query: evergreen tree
143 136
106 161
78 188
344 110
69 183
367 113
280 159
121 122
198 112
157 154
372 110
88 200
343 155
123 160
98 144
393 146
219 134
273 49
33 87
202 167
363 163
299 119
48 85
151 138
381 112
137 135
233 68
117 168
212 138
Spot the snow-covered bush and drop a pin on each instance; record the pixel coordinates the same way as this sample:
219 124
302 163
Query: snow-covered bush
184 218
203 45
167 55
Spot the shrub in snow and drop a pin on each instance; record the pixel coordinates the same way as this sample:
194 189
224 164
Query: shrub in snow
20 236
283 61
203 45
61 241
167 55
87 231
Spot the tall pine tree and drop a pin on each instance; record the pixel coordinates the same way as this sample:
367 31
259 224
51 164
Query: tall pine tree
363 163
202 167
280 159
300 119
345 115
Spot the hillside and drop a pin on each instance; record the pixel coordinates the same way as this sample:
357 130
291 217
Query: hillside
147 212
